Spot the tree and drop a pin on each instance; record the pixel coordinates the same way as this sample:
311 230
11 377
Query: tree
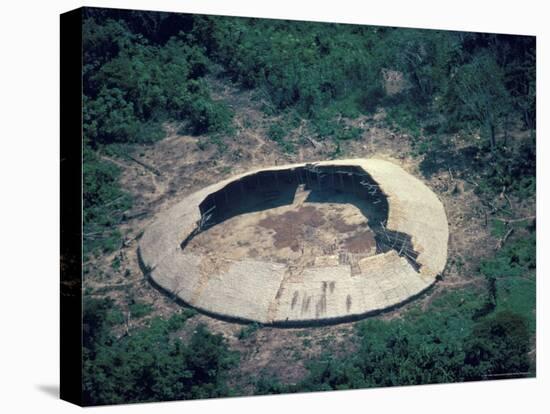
424 57
109 118
498 347
479 86
150 364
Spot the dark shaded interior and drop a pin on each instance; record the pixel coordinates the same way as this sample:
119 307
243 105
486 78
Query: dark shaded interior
332 184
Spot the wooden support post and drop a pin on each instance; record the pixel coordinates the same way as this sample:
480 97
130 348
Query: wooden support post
225 194
318 178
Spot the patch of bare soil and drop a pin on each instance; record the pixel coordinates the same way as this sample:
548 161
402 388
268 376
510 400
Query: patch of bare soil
360 242
340 225
291 226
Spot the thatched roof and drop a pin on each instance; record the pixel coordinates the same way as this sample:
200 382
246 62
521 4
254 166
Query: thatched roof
270 293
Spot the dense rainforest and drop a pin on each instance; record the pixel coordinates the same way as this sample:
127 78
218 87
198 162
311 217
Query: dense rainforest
144 69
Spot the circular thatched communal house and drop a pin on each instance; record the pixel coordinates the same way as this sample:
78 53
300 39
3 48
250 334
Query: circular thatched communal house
301 244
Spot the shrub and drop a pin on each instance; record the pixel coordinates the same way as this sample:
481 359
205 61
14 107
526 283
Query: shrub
139 309
276 132
249 330
103 204
207 116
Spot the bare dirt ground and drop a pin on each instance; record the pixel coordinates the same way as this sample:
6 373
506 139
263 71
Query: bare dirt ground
184 164
294 234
